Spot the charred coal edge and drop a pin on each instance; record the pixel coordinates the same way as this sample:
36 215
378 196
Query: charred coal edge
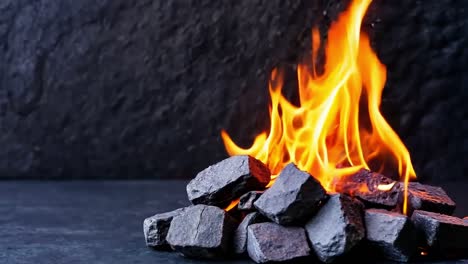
259 170
249 182
354 217
416 203
236 188
376 198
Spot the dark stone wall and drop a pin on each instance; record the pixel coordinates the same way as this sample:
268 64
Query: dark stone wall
132 89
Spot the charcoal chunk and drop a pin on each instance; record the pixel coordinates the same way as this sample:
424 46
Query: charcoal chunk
428 198
247 200
443 233
240 235
270 242
365 185
336 228
391 233
201 231
227 180
293 198
155 228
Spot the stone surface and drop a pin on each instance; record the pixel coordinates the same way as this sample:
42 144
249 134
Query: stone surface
364 185
336 228
227 180
246 201
66 229
155 228
293 198
392 234
240 236
127 89
201 231
270 242
428 198
442 232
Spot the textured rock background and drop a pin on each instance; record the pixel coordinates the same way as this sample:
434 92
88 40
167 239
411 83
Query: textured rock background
129 89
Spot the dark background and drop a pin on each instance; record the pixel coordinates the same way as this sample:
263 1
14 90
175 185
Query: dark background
141 89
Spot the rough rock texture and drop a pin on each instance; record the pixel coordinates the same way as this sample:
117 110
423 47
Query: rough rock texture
442 232
240 235
428 198
155 228
336 228
293 198
201 231
392 234
364 185
227 180
117 88
246 201
270 242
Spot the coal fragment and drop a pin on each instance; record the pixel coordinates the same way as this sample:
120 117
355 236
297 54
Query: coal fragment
227 180
336 228
270 242
443 233
293 198
201 231
391 233
155 228
247 200
428 198
240 235
365 185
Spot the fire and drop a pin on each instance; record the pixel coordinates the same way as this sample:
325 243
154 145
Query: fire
337 128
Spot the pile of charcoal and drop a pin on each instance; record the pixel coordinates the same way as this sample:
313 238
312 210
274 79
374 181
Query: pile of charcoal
297 219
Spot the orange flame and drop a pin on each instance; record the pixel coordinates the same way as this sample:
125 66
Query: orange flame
232 205
332 126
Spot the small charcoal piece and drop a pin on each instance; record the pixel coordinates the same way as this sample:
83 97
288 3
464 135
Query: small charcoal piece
201 231
428 198
227 180
365 185
270 242
336 228
293 199
247 200
391 233
155 228
443 233
240 236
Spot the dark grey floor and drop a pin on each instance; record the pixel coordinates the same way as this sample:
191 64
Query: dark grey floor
98 222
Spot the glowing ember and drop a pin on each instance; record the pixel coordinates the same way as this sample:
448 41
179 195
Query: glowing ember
386 187
330 127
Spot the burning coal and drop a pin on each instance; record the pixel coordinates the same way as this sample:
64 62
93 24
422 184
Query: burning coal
330 127
305 189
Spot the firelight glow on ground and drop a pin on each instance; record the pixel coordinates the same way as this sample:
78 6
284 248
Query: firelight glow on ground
337 128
